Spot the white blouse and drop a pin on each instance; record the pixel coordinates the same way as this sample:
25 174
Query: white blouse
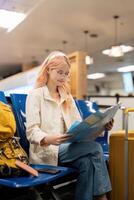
45 116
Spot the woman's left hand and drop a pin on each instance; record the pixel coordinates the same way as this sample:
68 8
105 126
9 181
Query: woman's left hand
109 125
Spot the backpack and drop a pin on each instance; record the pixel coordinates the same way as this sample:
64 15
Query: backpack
10 148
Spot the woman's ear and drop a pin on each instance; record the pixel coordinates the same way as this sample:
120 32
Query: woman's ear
48 70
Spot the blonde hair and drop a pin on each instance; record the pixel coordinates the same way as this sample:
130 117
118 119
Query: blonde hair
53 61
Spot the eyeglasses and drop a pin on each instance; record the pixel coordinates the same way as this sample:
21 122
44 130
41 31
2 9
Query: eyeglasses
62 73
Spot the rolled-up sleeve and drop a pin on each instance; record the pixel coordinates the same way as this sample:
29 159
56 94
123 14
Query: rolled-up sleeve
33 119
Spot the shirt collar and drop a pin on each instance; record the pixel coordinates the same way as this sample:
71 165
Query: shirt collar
62 92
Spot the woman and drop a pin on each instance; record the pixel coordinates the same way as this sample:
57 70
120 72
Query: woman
50 111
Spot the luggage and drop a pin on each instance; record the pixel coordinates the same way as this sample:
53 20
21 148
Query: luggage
121 162
10 148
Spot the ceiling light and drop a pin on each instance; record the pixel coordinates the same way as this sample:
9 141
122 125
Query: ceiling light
117 50
128 68
96 76
88 59
9 19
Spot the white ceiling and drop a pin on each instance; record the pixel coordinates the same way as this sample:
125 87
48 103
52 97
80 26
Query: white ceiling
49 22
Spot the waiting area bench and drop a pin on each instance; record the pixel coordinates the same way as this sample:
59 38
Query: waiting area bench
18 105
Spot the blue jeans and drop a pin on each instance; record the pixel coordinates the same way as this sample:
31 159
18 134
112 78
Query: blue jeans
87 157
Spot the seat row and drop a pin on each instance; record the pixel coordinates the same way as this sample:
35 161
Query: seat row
18 102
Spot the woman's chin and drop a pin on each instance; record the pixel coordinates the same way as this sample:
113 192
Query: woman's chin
60 83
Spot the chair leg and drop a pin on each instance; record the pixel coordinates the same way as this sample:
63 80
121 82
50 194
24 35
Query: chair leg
37 195
55 195
49 192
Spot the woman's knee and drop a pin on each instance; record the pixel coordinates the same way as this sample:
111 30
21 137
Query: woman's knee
83 164
98 151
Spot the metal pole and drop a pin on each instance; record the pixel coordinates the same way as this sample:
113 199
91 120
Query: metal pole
123 117
126 158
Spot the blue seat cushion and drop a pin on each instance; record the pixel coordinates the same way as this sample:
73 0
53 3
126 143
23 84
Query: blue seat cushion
43 178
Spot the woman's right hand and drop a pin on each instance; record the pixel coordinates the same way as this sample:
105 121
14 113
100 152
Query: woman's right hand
55 139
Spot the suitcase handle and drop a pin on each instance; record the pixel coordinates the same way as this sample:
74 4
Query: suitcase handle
127 110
